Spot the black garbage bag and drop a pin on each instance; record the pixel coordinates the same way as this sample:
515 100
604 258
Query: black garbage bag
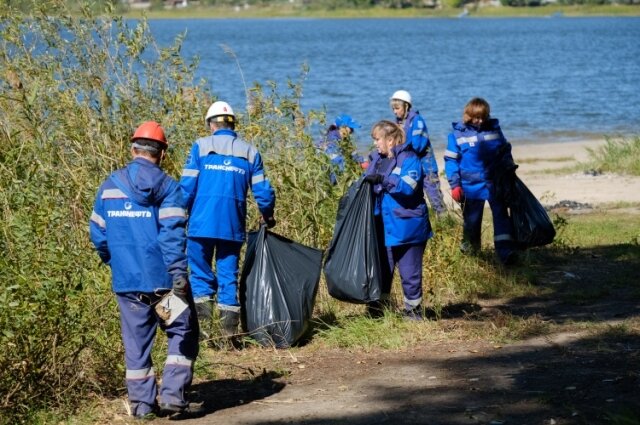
531 223
352 266
278 287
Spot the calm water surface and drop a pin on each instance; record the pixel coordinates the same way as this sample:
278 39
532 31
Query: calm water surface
546 78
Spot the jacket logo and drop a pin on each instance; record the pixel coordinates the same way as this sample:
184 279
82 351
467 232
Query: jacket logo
129 214
227 162
127 205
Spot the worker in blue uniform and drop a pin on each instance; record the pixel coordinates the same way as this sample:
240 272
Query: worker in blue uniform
417 136
138 228
401 215
220 170
476 151
341 130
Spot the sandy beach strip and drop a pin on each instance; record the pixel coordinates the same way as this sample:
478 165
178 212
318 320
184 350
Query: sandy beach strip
557 172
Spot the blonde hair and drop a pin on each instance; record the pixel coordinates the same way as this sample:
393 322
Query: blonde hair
476 108
390 129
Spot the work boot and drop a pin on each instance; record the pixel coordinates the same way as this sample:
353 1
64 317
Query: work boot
143 411
229 321
174 411
467 248
204 311
414 314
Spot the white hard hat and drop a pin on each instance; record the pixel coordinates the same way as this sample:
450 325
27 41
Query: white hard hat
221 111
402 95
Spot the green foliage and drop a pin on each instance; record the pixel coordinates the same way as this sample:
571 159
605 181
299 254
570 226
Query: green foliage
72 91
617 156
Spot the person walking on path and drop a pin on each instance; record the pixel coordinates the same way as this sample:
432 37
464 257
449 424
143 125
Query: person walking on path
138 228
215 180
417 136
476 151
401 214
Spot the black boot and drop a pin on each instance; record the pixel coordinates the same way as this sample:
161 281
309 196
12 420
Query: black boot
204 311
229 321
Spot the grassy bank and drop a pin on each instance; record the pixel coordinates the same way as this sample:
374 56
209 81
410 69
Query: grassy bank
198 12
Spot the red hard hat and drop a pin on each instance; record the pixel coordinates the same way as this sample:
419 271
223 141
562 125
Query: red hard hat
150 130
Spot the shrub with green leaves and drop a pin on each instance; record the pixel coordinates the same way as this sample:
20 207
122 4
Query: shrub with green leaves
73 88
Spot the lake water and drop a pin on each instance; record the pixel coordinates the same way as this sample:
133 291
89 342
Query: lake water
547 79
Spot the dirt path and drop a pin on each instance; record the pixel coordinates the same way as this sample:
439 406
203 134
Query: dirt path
558 373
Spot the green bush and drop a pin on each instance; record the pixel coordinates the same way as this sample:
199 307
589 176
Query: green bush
72 90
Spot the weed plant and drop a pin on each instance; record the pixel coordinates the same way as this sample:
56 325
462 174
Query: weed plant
73 88
617 156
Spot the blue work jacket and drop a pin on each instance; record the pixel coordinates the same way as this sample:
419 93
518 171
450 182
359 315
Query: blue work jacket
138 228
399 198
473 155
417 136
215 180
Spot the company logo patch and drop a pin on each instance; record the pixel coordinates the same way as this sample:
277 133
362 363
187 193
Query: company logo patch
128 214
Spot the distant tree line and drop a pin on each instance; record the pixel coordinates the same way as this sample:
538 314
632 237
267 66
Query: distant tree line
334 4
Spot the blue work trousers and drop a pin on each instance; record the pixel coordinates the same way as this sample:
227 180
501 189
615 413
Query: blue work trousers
139 323
472 211
408 258
206 283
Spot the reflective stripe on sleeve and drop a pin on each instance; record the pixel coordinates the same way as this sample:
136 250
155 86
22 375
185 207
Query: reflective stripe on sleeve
463 140
474 139
171 212
416 132
188 172
411 182
179 360
450 154
113 194
396 170
96 218
140 373
257 179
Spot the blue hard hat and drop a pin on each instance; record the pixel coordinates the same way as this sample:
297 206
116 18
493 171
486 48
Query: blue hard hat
345 120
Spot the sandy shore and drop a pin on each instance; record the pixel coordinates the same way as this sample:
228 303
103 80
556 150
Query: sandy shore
543 168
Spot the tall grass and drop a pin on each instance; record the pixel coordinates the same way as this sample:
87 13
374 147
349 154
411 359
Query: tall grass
72 91
617 156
